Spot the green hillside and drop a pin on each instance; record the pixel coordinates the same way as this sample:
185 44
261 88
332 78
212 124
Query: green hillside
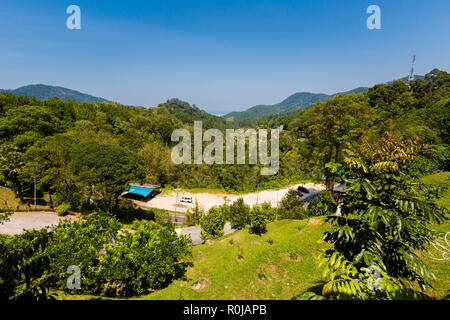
295 101
280 265
43 92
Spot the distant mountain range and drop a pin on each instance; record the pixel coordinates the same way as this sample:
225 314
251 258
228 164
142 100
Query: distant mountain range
43 92
295 101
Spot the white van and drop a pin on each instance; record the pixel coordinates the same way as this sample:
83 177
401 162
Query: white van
186 199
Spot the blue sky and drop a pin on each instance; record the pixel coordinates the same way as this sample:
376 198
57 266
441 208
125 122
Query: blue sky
220 55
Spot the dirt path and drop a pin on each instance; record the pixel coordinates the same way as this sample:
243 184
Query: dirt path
31 220
207 200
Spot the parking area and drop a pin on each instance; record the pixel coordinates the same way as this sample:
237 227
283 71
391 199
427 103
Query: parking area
207 200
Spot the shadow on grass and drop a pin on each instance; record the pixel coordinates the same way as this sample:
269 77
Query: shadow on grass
317 289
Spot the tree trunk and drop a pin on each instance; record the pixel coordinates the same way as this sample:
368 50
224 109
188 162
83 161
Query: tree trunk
328 174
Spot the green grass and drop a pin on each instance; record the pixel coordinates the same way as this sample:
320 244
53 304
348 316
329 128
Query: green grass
442 178
13 202
280 270
267 271
441 268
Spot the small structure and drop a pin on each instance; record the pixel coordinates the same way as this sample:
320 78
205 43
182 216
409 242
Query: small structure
142 190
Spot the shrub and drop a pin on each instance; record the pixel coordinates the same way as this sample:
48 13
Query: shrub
23 266
128 213
269 212
148 259
291 207
212 224
196 214
239 214
114 263
63 209
322 205
79 243
258 219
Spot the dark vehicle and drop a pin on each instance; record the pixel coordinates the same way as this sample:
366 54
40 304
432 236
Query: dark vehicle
305 194
302 190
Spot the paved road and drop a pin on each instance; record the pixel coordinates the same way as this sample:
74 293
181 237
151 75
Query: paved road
38 220
30 220
194 232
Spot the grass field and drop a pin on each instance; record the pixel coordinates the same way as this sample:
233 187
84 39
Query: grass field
278 265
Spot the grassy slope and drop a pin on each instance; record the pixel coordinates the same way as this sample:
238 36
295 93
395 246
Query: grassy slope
278 271
442 178
441 268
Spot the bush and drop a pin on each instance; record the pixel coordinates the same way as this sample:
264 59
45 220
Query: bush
212 224
291 207
63 209
322 205
23 266
148 259
80 243
129 213
114 263
258 218
239 214
196 214
269 212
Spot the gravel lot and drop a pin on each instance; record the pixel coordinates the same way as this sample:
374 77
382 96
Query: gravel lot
207 200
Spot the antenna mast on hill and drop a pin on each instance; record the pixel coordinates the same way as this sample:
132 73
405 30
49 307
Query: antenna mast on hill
411 74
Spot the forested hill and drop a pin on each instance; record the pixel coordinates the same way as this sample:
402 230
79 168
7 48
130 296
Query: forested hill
187 114
295 101
50 140
43 92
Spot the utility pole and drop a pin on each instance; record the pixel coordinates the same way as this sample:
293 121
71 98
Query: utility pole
276 211
35 192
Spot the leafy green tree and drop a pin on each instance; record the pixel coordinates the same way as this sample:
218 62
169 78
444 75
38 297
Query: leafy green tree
258 220
24 266
11 164
268 211
79 243
291 206
239 214
154 159
104 170
387 218
330 125
323 204
25 118
212 224
146 260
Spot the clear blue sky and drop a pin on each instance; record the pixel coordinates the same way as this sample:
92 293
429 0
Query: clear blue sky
220 55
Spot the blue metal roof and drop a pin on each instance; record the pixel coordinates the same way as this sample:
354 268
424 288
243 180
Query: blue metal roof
142 191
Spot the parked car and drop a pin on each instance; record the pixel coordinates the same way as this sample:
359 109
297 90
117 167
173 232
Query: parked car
186 199
305 194
302 189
